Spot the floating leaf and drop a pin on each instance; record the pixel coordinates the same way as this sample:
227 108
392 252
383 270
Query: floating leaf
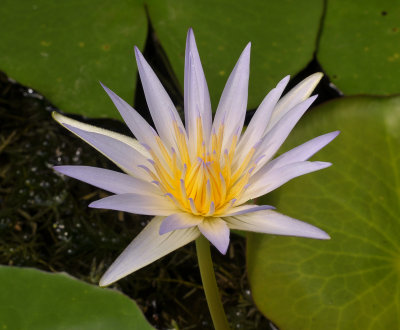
359 46
62 49
32 299
351 281
283 41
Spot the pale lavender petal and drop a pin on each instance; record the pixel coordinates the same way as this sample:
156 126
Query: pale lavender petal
278 134
179 221
136 123
246 209
271 222
147 247
161 108
217 232
123 155
115 182
264 182
135 203
302 152
295 96
64 121
197 97
233 103
255 130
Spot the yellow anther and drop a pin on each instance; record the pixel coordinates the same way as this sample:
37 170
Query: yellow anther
182 143
164 151
244 165
206 185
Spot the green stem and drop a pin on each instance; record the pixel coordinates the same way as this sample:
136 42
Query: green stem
210 284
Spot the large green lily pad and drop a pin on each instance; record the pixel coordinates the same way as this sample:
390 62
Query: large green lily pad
31 299
63 48
283 41
353 280
360 46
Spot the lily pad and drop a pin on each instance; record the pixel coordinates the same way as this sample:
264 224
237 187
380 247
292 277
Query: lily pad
351 281
283 42
63 48
359 46
32 299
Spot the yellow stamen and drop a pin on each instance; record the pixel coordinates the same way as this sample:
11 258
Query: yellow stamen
182 143
207 185
244 165
164 151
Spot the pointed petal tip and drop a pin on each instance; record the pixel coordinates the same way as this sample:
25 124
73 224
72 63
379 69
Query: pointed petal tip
322 235
282 83
107 279
223 250
317 76
138 53
59 168
221 245
245 55
110 93
57 117
190 45
285 80
95 204
313 80
329 137
103 283
247 50
323 164
311 100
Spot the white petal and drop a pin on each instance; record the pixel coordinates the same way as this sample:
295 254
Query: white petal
246 209
197 97
147 247
136 123
278 134
179 221
264 182
217 232
302 152
115 182
122 154
271 222
233 103
296 95
161 108
255 130
90 128
135 203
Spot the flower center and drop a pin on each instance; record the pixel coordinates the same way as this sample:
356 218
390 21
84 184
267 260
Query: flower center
205 181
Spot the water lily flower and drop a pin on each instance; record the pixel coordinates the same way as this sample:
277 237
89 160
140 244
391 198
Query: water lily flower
197 179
